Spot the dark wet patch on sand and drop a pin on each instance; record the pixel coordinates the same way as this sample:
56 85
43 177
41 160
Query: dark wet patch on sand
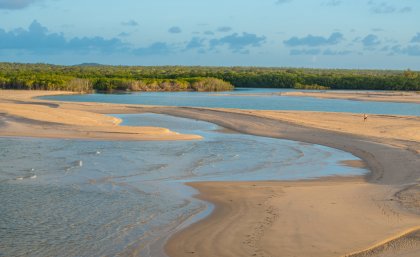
354 163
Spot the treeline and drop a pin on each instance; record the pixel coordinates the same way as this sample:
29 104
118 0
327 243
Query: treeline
152 84
46 82
310 87
111 84
182 78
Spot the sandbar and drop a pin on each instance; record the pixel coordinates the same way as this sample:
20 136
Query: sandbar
376 96
380 96
22 116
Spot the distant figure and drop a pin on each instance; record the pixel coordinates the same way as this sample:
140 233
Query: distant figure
364 117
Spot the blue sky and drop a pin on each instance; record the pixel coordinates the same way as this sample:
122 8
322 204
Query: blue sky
376 34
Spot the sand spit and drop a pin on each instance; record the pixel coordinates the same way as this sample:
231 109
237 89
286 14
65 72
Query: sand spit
391 128
383 96
377 96
22 116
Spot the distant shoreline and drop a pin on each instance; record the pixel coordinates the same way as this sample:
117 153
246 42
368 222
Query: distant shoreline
200 78
387 96
357 95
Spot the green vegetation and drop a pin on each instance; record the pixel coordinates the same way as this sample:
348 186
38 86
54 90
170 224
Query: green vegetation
153 84
179 78
310 87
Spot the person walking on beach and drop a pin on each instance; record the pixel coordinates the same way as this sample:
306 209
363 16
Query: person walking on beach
364 117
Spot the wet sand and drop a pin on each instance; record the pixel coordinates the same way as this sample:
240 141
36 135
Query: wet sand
384 96
377 215
395 130
378 96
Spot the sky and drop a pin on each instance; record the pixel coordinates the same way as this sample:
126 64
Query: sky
349 34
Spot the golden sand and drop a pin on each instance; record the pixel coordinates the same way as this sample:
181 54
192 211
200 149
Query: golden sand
24 116
382 96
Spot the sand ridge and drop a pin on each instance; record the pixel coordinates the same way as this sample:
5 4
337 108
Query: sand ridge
381 96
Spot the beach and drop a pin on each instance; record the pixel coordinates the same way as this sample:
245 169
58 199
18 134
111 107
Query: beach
376 215
312 218
22 117
382 96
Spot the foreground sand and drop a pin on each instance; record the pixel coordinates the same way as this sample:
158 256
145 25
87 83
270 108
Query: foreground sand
373 216
315 218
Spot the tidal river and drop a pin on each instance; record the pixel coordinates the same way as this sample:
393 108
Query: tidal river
104 198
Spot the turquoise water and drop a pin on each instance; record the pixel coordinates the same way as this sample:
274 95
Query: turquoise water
97 198
259 99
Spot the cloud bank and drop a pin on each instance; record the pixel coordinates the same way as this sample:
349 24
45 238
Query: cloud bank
313 41
371 40
174 30
283 1
37 39
238 42
416 38
385 8
16 4
130 23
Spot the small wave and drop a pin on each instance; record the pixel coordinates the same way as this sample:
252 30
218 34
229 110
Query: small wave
94 152
26 177
74 165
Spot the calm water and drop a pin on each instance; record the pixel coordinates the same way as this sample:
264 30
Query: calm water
96 198
248 99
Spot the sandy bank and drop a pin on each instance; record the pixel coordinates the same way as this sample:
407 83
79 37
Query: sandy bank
383 96
375 210
377 96
317 219
402 131
20 116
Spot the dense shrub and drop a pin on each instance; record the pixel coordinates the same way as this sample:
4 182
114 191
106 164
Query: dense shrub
180 78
